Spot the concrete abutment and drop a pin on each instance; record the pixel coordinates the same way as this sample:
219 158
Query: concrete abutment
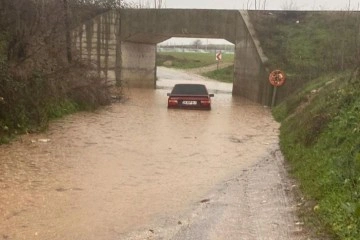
138 68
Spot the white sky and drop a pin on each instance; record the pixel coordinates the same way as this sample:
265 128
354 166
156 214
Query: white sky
321 5
269 4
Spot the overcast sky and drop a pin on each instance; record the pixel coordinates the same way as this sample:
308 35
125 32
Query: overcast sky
267 4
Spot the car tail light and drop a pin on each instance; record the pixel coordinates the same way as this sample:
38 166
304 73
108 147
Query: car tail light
172 102
205 102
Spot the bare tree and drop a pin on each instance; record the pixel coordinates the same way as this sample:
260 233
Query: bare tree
102 4
158 3
143 4
67 31
289 5
197 43
258 4
150 4
248 5
264 5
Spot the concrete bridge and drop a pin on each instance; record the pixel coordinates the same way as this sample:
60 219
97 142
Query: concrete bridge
123 45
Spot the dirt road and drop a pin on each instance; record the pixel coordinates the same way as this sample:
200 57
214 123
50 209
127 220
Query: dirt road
136 170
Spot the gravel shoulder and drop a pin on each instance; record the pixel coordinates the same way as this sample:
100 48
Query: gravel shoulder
257 204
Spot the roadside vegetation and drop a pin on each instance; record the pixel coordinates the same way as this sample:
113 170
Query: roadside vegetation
222 74
306 45
320 139
320 123
188 60
40 70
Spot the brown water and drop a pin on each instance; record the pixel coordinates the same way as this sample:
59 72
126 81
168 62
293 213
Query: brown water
129 167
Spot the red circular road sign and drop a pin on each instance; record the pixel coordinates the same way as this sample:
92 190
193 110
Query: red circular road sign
277 78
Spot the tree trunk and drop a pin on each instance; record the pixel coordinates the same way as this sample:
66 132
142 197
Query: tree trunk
67 31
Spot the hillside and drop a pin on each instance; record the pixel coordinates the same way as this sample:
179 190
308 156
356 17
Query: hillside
320 123
307 45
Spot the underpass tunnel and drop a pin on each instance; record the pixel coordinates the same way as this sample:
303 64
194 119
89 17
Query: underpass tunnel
208 58
124 45
141 54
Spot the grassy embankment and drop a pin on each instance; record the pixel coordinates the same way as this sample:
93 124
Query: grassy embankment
186 60
222 74
320 138
320 124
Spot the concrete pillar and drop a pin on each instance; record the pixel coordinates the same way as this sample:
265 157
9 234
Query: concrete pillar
138 67
250 73
247 71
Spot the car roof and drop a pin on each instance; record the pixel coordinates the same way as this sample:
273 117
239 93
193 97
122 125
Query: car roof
190 89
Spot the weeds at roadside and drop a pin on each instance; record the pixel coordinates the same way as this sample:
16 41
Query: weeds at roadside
322 145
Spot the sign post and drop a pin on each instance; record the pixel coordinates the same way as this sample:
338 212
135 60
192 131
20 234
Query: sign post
218 59
276 78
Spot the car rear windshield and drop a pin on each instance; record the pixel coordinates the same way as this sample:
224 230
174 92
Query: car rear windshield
189 89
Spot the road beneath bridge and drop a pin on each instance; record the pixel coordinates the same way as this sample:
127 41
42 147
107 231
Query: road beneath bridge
136 170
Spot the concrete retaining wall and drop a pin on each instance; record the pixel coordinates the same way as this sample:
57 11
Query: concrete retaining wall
138 68
97 42
250 72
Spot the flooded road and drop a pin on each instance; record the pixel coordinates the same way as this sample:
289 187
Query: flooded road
130 169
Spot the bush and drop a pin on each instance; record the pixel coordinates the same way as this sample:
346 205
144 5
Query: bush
29 104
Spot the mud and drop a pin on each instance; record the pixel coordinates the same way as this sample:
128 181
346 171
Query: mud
136 170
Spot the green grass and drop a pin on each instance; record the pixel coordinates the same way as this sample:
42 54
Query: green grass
307 45
186 60
320 139
60 109
303 95
222 75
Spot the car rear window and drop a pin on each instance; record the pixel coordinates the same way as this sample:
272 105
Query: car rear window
189 89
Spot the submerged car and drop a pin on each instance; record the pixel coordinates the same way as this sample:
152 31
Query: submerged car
191 96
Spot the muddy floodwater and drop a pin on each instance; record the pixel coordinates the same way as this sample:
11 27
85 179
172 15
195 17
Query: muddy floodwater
130 168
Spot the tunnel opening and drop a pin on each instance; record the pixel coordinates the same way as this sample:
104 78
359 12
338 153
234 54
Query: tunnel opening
205 60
